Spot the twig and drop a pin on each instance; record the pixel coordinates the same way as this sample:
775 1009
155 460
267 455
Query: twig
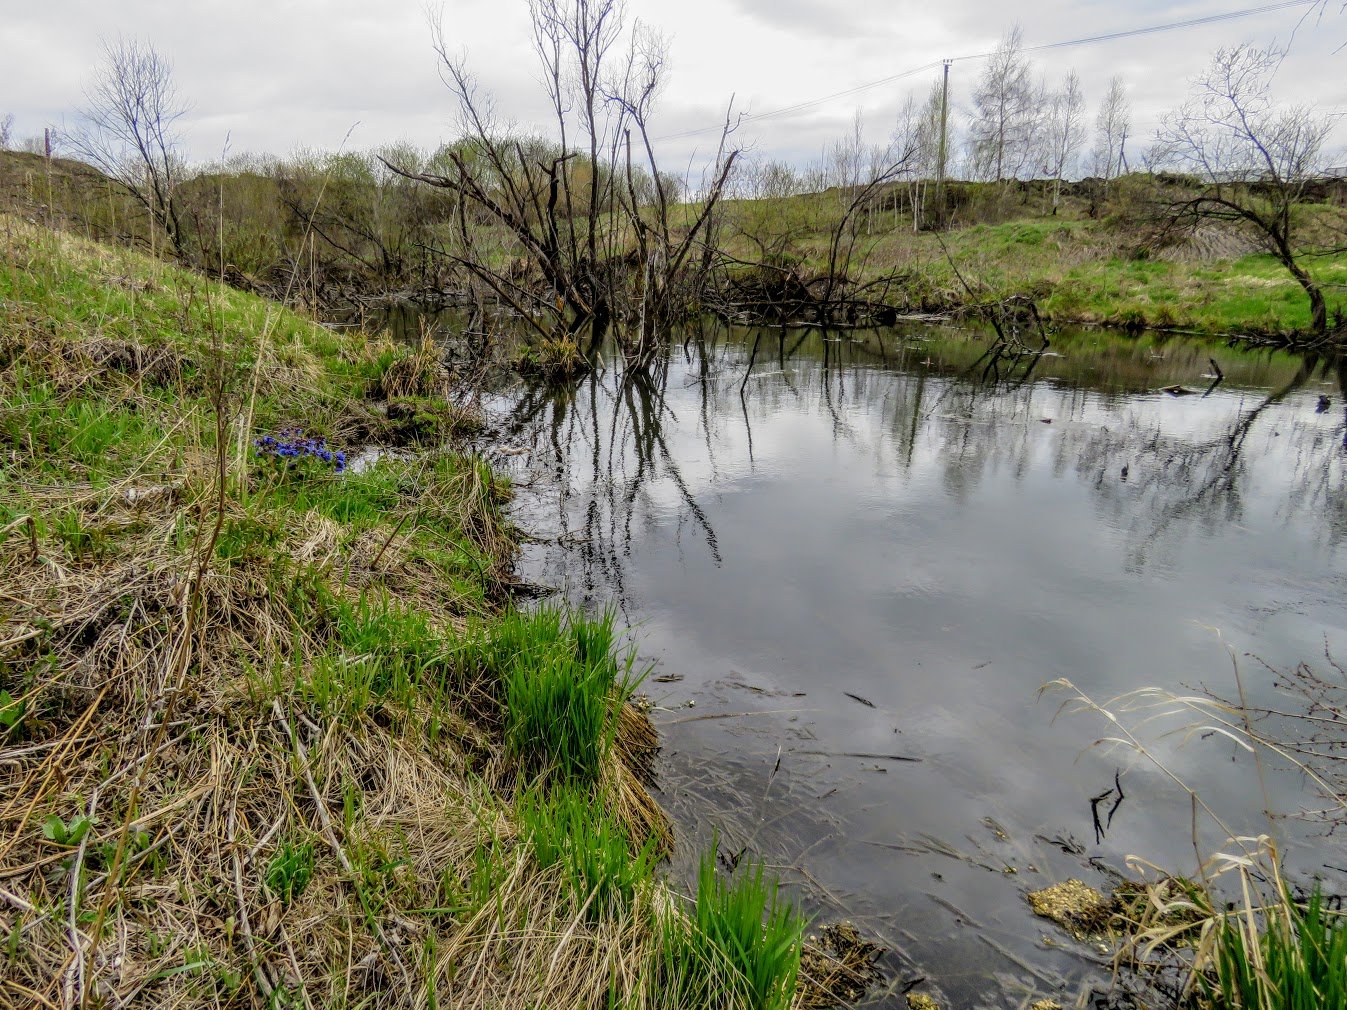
329 833
859 754
245 928
396 530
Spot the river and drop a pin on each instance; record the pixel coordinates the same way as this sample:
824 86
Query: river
852 567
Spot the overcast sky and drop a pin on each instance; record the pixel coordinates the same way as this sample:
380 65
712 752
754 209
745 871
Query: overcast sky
279 75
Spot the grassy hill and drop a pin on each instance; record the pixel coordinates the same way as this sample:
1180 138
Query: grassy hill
1088 262
325 231
270 732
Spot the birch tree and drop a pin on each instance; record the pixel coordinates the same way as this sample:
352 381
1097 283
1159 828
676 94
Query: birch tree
1066 131
917 132
1004 105
1110 131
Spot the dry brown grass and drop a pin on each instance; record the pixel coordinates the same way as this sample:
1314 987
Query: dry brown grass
418 374
168 616
150 718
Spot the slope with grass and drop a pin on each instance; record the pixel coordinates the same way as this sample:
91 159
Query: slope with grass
1083 263
270 733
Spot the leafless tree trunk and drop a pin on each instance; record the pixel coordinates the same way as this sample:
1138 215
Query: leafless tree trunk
1253 158
129 129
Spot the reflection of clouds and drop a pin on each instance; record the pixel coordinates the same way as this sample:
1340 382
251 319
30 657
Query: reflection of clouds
941 551
661 455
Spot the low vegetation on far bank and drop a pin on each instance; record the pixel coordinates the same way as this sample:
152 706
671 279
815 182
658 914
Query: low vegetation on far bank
1085 260
271 733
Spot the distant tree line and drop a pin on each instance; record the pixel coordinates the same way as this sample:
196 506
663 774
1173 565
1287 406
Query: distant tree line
580 225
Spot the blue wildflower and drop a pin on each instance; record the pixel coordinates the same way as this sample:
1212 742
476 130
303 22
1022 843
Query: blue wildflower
291 447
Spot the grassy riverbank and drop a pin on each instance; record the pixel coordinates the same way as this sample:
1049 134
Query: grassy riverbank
1084 263
270 732
1090 260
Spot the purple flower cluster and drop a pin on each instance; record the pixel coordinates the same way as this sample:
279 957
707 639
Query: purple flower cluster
293 447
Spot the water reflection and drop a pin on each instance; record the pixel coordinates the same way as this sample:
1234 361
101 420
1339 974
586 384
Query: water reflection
848 554
1155 467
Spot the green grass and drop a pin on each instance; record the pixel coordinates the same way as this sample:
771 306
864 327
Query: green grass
569 828
352 688
290 870
562 684
740 946
377 654
1297 962
1081 269
479 882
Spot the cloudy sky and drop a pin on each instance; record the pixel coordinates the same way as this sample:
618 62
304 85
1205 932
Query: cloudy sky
279 75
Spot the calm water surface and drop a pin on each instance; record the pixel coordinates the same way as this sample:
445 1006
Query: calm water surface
853 555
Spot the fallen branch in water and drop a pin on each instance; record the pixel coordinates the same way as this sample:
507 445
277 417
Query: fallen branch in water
858 754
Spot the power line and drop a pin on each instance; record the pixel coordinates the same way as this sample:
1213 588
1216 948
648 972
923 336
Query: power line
1088 40
810 103
1156 29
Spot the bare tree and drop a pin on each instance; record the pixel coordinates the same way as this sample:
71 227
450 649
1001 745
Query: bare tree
917 131
1253 158
6 130
1110 132
760 186
573 204
661 251
129 130
1005 106
1066 131
846 159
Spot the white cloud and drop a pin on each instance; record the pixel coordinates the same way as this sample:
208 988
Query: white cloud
276 76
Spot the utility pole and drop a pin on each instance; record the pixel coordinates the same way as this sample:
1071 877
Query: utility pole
940 165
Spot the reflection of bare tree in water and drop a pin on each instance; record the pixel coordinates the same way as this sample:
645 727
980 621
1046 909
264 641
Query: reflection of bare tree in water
604 444
1161 480
1153 479
607 443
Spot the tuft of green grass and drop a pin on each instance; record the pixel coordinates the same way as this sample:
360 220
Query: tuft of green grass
562 685
1298 962
740 947
463 892
570 829
290 871
379 654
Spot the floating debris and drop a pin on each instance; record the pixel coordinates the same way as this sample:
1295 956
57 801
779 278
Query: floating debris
1074 905
920 1001
837 967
